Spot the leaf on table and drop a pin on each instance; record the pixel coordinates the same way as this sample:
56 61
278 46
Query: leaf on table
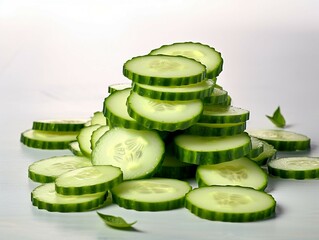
277 118
114 221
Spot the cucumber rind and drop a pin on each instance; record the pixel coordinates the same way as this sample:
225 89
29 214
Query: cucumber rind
100 185
84 139
223 114
75 148
61 203
227 216
218 96
161 80
153 202
211 129
59 140
191 155
295 171
66 125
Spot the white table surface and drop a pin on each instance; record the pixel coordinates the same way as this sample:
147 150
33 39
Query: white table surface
57 59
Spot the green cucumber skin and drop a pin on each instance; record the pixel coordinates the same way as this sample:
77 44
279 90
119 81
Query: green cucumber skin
40 178
171 96
210 131
57 127
159 81
289 145
40 144
299 175
224 119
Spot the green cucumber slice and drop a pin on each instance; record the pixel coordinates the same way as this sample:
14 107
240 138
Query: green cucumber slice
156 194
47 170
45 197
97 134
98 119
178 93
115 110
239 172
218 96
88 180
75 148
257 147
47 140
283 140
138 153
223 114
66 125
216 129
163 70
294 167
230 203
119 86
164 115
198 51
84 139
203 150
269 152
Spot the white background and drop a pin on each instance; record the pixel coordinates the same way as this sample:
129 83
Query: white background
57 59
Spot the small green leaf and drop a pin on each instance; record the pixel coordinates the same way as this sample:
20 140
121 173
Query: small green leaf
116 222
277 118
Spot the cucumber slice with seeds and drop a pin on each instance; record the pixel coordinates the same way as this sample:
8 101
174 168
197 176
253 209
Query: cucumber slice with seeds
198 51
47 170
223 114
84 139
294 167
98 119
88 180
163 70
210 150
216 129
283 140
45 197
230 203
138 153
156 194
59 125
257 147
164 115
97 134
179 93
239 172
47 140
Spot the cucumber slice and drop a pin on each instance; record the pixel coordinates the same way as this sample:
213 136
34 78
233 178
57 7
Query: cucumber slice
98 119
230 203
174 168
216 129
138 153
84 139
115 110
239 172
45 197
47 170
223 114
164 115
119 86
75 148
156 194
200 52
70 125
283 140
179 93
218 96
257 147
97 134
163 70
88 180
210 150
47 140
269 152
294 167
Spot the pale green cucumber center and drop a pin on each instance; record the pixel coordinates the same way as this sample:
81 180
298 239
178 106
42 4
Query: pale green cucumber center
295 163
51 136
224 110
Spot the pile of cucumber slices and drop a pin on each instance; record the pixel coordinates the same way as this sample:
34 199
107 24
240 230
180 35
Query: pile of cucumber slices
171 124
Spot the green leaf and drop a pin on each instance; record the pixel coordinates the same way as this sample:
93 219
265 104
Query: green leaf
116 222
277 118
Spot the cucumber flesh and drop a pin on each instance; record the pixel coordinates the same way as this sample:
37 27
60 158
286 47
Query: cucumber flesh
88 180
97 134
138 153
163 70
84 139
239 172
294 167
45 197
156 194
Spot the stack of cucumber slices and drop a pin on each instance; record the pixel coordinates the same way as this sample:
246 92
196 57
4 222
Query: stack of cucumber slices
171 124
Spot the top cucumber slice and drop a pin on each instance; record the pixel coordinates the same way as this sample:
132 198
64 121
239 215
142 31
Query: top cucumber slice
283 140
200 52
164 70
175 93
67 125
